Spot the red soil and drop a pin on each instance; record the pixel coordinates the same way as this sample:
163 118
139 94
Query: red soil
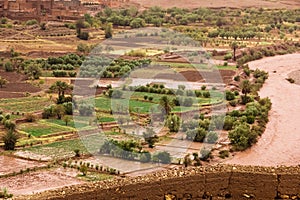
11 164
17 87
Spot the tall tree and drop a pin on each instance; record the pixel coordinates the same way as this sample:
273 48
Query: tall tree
79 25
108 30
59 110
246 87
167 104
60 87
173 123
67 119
150 137
10 139
34 71
234 46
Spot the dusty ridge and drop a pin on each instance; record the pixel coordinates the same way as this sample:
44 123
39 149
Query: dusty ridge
234 182
290 4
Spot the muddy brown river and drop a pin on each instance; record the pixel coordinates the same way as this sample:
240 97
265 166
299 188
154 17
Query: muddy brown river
280 144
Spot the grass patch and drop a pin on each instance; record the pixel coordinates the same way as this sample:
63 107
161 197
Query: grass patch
107 119
23 105
104 103
195 66
137 104
65 149
94 176
40 128
72 123
59 149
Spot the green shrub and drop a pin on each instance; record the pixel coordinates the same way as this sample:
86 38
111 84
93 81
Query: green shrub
83 169
10 139
241 137
205 154
31 22
137 53
224 154
83 35
228 123
72 74
228 56
229 95
206 94
196 135
233 103
77 152
8 67
188 102
290 80
163 157
211 137
145 157
237 78
59 73
4 194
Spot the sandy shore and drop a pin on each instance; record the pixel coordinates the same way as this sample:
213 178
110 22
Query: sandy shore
280 144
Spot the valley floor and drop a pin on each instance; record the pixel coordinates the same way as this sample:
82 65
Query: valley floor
279 145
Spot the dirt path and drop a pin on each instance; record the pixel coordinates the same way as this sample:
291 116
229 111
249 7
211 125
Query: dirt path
279 145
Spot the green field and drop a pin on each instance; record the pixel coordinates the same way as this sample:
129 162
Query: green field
138 104
23 105
195 66
42 128
65 149
105 104
93 176
72 123
107 119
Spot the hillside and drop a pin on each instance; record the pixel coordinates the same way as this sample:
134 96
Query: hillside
271 4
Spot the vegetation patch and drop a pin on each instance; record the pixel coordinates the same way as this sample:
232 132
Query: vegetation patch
42 128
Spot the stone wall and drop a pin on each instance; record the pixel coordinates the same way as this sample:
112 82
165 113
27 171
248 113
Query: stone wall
216 182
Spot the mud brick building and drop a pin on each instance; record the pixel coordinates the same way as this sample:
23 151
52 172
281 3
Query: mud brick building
44 10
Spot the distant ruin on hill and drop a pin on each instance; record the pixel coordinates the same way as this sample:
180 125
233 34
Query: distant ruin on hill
44 10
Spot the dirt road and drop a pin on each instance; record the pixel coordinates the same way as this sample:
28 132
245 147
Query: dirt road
279 145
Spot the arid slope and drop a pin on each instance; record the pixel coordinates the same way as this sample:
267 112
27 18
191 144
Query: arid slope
219 3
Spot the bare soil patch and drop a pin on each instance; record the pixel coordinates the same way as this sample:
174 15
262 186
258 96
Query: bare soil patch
39 181
295 75
10 164
200 76
279 145
17 87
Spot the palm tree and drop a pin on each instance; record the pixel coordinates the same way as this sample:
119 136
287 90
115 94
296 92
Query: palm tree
10 140
234 46
167 104
60 87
